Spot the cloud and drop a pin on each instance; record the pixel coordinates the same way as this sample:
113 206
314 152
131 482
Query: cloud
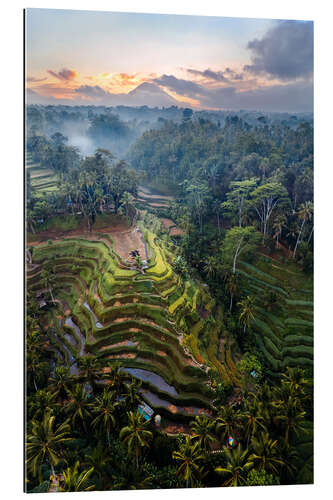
217 76
33 97
91 91
64 75
293 97
233 75
35 80
285 52
290 97
186 88
146 93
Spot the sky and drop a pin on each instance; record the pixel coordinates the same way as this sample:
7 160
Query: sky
105 58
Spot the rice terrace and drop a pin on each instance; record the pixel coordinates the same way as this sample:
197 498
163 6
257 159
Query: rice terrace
169 295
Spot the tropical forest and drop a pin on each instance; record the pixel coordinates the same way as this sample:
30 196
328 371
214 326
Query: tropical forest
169 298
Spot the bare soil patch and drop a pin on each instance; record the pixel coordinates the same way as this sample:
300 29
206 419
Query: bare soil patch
176 231
125 239
158 205
167 223
128 240
129 355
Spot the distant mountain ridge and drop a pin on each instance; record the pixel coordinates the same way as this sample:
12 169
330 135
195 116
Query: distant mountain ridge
145 94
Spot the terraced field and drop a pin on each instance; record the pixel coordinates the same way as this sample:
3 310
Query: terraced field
144 321
43 180
284 332
147 199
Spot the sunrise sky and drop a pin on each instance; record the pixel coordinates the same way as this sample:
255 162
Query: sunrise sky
87 57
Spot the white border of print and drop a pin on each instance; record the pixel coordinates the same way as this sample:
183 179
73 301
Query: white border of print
11 454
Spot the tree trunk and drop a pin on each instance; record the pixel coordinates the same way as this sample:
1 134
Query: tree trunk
298 238
236 255
54 475
116 204
264 233
231 298
309 238
29 256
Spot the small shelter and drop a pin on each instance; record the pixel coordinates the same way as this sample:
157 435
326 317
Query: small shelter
146 411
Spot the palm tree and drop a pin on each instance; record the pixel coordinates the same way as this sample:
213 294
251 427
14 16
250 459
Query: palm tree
42 401
104 407
246 313
78 406
43 443
35 368
77 481
131 396
190 456
127 200
236 468
265 397
289 456
265 454
291 418
60 381
139 263
295 379
305 214
254 420
217 209
117 378
90 369
227 422
202 429
210 266
231 285
135 435
48 279
130 478
278 224
98 460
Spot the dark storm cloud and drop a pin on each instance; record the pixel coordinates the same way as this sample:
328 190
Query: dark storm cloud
64 75
293 97
285 51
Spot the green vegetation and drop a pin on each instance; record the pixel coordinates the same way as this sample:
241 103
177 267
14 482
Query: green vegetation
210 327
